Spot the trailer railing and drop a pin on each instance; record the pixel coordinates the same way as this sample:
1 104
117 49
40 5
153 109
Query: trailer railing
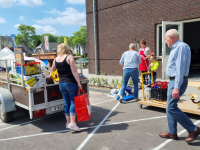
8 72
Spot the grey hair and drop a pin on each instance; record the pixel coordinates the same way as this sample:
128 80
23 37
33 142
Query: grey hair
132 46
172 32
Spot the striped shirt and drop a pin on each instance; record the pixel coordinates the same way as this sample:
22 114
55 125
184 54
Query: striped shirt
179 62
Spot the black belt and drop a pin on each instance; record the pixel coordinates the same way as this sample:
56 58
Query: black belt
173 78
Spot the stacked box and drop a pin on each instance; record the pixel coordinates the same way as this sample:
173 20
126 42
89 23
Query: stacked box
37 80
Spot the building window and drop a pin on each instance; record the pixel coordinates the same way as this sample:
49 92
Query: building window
159 39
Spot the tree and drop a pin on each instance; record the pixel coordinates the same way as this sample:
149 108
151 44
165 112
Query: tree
70 41
60 39
80 37
51 37
27 36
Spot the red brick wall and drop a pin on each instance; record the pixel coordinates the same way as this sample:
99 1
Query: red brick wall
119 22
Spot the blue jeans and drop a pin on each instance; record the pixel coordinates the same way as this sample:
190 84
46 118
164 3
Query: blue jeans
174 114
127 73
69 91
154 79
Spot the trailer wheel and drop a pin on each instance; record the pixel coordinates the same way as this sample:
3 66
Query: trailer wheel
140 106
5 116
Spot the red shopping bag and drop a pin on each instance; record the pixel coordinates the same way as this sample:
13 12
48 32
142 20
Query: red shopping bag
82 105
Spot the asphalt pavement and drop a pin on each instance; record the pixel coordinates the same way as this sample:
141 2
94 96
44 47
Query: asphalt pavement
113 126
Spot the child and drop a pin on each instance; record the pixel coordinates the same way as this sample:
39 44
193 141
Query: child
153 67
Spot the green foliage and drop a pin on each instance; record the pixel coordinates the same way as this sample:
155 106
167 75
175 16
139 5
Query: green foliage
93 80
52 38
27 36
85 66
130 82
80 37
99 82
77 54
60 39
104 73
121 81
69 41
104 82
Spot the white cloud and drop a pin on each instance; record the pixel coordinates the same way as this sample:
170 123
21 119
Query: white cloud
2 20
69 16
21 18
31 3
17 25
75 1
7 3
45 29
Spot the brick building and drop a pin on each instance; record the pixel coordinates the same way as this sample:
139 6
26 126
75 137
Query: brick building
120 22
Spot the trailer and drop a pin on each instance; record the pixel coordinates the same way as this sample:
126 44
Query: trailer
39 101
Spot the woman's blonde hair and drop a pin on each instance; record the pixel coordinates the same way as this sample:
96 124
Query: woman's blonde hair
153 56
63 49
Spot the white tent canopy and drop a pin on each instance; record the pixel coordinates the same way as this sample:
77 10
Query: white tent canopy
6 53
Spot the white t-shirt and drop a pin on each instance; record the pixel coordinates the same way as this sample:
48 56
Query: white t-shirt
146 51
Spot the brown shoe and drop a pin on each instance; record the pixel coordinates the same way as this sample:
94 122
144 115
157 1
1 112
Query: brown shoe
193 135
167 135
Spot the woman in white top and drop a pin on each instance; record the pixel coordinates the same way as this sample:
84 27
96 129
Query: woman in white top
145 53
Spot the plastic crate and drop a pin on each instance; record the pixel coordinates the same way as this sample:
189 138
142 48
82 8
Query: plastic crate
159 94
28 69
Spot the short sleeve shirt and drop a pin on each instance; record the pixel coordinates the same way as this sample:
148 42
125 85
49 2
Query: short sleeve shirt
146 51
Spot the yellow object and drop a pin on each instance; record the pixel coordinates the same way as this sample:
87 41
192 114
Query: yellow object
192 96
154 66
65 40
1 82
143 83
32 69
119 86
33 81
27 89
55 76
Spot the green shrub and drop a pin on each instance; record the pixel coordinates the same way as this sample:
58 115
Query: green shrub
99 82
85 66
105 74
130 82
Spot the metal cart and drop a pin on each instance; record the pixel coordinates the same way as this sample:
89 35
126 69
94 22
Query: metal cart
185 105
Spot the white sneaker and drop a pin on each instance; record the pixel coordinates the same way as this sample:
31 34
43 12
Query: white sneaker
74 127
67 124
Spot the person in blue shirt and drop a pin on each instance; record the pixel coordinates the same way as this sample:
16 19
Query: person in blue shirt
130 61
177 70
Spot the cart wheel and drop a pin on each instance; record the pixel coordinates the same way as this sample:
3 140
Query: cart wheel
140 106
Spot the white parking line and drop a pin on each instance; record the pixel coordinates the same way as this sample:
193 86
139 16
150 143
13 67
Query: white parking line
13 126
167 141
95 130
85 128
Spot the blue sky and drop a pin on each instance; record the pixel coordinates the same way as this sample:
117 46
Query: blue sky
58 17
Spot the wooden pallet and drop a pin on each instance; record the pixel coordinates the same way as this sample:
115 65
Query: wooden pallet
185 105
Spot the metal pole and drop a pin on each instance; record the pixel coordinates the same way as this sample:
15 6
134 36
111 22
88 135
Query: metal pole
95 38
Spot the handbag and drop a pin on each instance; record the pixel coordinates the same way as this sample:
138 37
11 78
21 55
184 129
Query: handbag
82 106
